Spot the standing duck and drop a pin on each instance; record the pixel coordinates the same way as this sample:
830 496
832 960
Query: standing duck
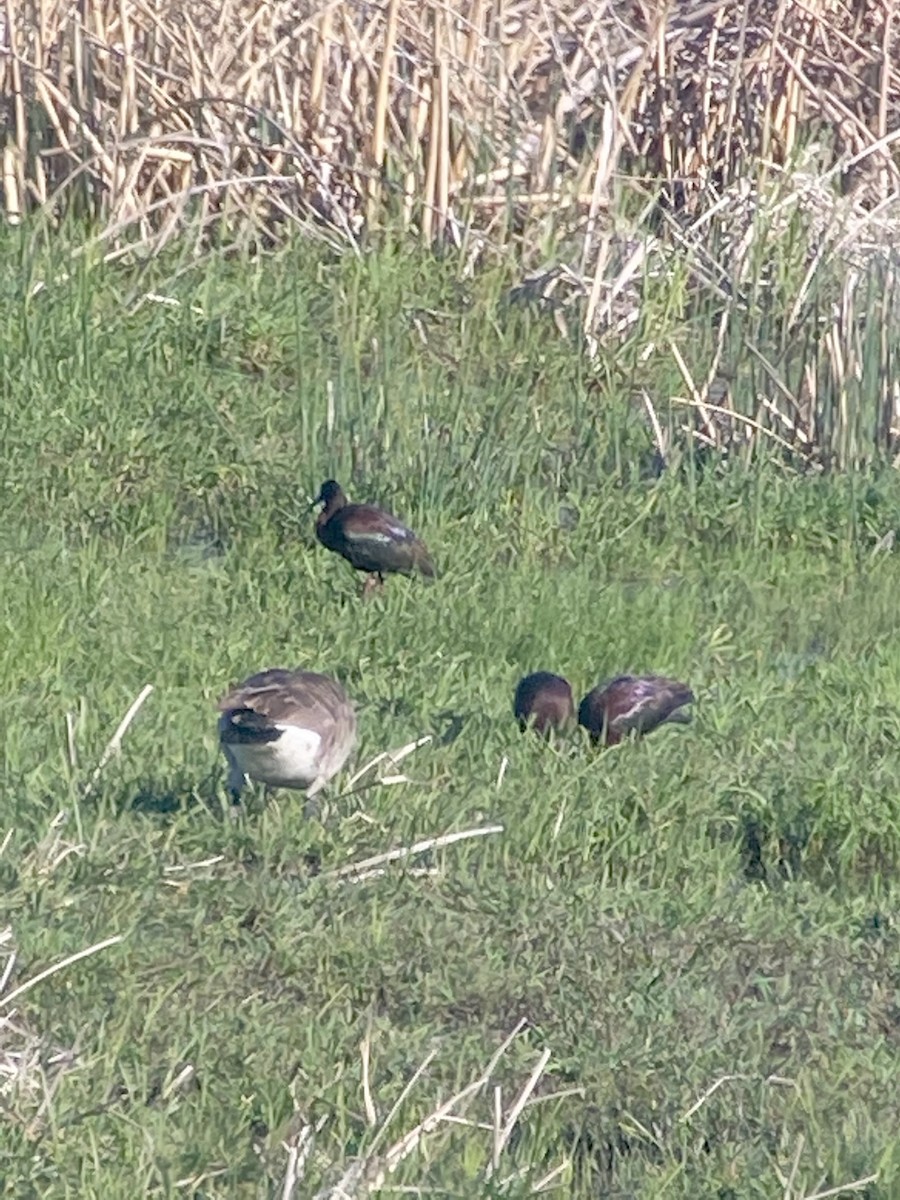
287 729
369 538
544 701
612 710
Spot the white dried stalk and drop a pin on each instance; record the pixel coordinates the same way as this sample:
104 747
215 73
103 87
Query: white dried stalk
115 742
394 757
435 843
516 1110
6 1000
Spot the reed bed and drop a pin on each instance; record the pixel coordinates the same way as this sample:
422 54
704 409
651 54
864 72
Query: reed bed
594 146
486 117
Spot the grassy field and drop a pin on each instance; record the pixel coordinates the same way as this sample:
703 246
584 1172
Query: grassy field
670 969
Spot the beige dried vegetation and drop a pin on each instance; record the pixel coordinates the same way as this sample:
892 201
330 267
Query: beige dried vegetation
510 127
494 120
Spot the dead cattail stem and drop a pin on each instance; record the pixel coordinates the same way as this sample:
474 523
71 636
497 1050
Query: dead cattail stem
429 209
381 106
14 155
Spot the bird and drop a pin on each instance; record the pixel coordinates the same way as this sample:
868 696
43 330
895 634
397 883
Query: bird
287 729
369 538
612 710
544 702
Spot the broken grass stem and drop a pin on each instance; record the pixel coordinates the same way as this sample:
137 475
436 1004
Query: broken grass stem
115 742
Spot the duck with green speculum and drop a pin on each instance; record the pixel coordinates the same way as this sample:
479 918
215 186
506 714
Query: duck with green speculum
369 538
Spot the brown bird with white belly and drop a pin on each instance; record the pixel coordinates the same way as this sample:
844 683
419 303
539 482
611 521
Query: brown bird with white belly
286 729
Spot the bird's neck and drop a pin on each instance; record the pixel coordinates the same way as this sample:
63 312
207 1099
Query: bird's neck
335 504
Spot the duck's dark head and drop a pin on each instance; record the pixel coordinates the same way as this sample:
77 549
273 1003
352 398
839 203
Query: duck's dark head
331 495
545 701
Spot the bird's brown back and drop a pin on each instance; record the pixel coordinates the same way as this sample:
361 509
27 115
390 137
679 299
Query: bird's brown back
303 698
632 703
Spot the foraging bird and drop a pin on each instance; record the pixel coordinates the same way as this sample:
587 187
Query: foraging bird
609 712
369 538
544 701
290 729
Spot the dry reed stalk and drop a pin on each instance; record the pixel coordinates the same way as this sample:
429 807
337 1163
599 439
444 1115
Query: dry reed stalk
115 742
16 150
429 200
31 1066
370 1174
317 90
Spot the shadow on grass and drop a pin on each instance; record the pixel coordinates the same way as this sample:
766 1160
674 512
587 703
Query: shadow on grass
153 799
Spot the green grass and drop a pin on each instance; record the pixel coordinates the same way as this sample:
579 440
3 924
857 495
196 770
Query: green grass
701 929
